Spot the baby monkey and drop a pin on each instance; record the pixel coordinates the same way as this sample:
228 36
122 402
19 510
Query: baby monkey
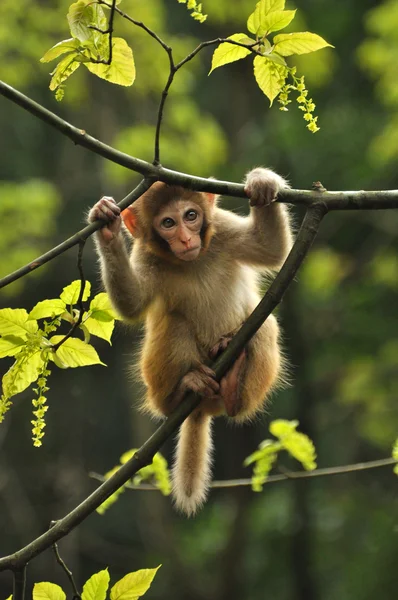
193 276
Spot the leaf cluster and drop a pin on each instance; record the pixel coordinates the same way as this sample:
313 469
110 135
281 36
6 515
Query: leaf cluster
131 587
297 444
271 70
157 473
93 46
29 338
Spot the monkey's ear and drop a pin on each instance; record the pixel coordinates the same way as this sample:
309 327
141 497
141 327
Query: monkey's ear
211 198
130 220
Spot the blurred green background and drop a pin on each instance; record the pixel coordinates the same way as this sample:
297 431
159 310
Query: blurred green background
325 539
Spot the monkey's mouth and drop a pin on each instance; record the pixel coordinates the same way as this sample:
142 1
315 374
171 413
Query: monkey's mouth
190 254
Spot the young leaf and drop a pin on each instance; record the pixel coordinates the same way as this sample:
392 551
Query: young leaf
48 591
275 21
64 69
133 585
70 45
122 69
70 293
96 587
47 308
298 43
11 345
81 14
14 321
75 353
297 444
262 10
269 76
101 308
227 53
99 327
22 373
395 455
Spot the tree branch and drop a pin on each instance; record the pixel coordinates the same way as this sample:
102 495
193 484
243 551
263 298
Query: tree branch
286 476
19 583
65 568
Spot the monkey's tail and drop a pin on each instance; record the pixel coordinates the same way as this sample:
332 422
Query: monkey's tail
191 472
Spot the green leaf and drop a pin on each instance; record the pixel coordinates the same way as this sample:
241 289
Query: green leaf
64 69
75 353
122 69
101 308
102 328
14 321
70 45
11 345
263 460
395 455
297 444
277 58
133 585
47 308
70 293
48 591
270 77
299 43
81 15
228 53
262 10
22 373
96 587
275 21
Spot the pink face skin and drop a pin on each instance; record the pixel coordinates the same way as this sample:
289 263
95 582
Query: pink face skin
180 224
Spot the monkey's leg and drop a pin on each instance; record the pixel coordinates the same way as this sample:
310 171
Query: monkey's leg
230 386
263 370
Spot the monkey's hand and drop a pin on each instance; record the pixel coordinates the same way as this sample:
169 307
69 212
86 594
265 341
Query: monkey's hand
262 186
106 209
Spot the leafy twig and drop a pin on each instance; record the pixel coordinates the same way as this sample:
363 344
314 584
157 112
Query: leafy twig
108 31
231 483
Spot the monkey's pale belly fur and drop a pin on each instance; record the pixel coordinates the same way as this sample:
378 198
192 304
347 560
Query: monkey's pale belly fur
228 299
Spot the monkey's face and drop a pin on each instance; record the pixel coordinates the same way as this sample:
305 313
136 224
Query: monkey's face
180 224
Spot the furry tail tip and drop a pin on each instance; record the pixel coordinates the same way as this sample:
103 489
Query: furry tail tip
191 474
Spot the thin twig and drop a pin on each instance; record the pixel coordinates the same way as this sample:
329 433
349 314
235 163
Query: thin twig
232 483
109 32
144 455
79 302
138 24
63 565
19 583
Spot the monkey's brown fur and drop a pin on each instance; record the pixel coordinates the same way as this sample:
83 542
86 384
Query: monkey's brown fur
189 306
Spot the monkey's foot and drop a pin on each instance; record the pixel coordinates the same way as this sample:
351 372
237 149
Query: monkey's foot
200 380
230 386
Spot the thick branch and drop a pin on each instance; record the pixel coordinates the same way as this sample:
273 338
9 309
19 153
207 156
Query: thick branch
145 454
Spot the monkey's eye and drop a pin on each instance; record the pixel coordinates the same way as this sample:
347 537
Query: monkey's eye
168 223
191 215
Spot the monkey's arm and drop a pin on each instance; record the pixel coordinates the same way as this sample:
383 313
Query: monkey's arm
264 238
130 293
